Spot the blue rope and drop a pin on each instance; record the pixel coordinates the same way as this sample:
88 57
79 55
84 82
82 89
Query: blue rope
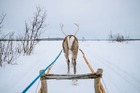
42 72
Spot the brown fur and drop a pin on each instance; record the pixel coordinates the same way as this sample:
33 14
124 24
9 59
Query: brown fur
73 49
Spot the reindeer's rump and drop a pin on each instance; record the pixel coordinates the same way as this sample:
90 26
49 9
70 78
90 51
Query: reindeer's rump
70 43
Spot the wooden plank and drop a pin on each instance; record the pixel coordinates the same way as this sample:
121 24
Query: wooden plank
69 77
97 83
44 87
48 71
90 67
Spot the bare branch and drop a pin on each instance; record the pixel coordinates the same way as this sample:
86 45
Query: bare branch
77 29
61 25
2 16
33 30
8 50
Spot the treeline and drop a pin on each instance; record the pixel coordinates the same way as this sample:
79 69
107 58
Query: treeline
60 39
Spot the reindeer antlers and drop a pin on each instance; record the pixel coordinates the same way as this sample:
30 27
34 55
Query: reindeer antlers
62 29
61 25
77 29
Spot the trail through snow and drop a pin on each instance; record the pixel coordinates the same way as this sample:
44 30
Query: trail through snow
120 62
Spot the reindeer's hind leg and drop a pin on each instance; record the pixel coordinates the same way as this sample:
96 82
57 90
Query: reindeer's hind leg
74 81
68 62
74 57
74 64
66 52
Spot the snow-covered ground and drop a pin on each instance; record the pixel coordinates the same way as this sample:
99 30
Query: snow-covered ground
120 62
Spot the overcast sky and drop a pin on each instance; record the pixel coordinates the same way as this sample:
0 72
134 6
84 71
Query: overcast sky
96 18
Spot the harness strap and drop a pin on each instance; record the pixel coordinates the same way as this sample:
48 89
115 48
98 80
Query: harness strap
24 91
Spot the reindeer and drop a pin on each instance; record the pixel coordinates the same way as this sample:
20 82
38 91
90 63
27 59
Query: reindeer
70 46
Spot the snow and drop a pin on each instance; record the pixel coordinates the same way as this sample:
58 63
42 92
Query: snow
120 62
